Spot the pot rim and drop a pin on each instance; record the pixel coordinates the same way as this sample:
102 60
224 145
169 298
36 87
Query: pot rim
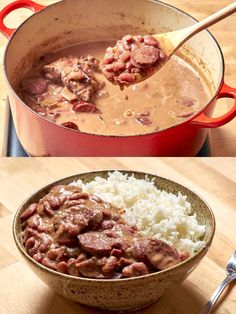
203 250
213 98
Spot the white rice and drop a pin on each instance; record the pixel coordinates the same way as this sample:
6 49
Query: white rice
159 214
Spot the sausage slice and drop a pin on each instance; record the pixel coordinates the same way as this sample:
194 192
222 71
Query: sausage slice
146 55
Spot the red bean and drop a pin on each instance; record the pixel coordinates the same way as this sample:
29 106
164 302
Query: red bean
52 254
48 263
38 257
44 228
96 198
56 254
40 209
108 60
71 203
70 125
29 232
85 107
48 210
30 243
34 221
117 253
82 257
110 265
54 202
29 211
73 230
34 249
126 78
77 196
89 268
115 67
125 56
62 267
136 269
71 267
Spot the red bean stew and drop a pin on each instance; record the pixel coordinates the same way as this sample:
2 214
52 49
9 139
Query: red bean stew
68 87
69 78
133 59
79 234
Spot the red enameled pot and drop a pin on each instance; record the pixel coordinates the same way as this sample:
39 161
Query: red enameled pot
72 21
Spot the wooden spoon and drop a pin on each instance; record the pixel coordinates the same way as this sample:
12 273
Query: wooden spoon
168 44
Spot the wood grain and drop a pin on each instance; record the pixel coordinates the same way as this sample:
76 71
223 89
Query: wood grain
213 179
223 140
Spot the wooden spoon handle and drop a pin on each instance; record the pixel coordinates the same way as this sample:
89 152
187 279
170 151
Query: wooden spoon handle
210 20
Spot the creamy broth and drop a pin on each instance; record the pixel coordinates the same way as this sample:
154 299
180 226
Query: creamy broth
169 97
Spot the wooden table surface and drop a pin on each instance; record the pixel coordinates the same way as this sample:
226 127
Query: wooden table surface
214 179
223 140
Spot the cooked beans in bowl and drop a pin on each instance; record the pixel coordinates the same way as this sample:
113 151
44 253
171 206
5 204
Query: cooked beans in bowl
116 240
78 233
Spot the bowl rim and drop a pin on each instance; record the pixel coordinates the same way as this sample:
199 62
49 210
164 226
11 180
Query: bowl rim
213 97
21 248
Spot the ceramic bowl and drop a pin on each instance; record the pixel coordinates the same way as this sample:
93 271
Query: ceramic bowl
120 294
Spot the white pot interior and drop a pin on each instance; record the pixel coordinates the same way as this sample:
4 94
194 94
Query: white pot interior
72 21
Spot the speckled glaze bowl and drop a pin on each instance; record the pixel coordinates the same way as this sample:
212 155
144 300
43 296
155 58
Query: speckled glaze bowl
120 294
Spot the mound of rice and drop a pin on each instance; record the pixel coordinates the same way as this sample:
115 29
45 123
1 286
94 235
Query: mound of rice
159 214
